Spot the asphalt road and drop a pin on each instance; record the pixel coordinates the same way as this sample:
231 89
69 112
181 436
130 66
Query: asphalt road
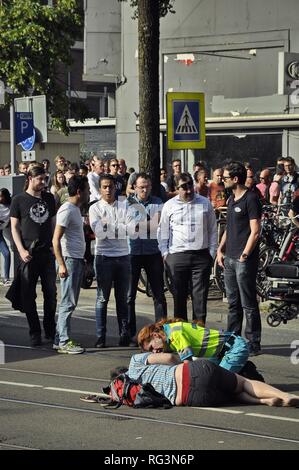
40 389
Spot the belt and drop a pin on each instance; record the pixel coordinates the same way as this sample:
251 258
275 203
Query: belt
226 346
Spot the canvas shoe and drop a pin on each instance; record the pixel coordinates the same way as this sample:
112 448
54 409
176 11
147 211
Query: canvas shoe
70 348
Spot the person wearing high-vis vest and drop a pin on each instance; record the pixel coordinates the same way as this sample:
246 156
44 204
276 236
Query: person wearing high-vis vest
191 340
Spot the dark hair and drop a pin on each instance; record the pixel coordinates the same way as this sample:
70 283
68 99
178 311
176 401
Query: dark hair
290 160
106 176
34 171
45 160
117 371
185 177
279 169
76 183
73 166
6 195
237 169
143 175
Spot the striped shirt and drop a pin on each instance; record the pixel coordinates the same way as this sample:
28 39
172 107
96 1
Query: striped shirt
161 376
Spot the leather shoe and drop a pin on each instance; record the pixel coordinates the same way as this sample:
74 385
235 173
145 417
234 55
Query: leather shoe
124 340
100 344
35 340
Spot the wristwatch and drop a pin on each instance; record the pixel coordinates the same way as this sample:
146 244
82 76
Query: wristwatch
244 255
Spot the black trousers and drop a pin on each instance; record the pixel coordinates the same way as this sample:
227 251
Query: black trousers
153 266
190 269
42 265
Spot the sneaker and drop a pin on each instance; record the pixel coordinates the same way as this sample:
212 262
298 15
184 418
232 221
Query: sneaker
70 348
6 283
100 343
124 340
35 340
55 346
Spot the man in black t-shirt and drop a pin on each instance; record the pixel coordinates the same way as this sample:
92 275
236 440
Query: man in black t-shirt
32 216
240 245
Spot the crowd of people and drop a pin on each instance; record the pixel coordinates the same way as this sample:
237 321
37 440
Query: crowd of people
135 230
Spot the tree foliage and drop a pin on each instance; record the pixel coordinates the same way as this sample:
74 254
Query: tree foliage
165 6
35 41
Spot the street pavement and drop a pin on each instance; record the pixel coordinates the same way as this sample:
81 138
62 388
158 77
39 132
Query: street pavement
40 390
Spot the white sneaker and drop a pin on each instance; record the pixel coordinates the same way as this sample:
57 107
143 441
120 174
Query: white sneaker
6 282
70 348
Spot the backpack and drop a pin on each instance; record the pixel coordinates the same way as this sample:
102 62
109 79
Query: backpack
125 391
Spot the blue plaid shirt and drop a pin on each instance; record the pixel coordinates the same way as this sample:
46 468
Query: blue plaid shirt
161 376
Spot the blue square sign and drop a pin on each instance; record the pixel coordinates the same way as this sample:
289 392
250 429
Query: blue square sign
185 120
24 126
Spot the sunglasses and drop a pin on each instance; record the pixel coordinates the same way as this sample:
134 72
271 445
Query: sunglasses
114 164
227 177
186 186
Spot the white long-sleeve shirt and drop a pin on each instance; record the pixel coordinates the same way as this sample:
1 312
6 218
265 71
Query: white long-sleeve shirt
108 222
93 180
187 226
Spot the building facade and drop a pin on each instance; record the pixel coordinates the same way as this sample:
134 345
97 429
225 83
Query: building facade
241 53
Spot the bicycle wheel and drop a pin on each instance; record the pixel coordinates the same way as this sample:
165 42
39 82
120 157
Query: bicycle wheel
219 276
266 256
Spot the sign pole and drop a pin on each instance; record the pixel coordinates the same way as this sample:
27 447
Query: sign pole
185 160
12 139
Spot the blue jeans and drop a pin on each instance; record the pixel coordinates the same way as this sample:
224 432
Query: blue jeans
6 255
70 290
236 355
240 285
110 269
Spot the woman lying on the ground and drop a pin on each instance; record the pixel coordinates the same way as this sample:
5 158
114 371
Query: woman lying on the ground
202 383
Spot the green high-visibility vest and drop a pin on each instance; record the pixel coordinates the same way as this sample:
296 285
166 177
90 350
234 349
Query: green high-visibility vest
191 339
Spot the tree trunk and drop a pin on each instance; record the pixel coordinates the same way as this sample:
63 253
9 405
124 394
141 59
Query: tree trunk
148 64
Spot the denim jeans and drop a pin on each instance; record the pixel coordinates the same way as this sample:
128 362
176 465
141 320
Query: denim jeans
110 269
70 290
240 285
6 255
236 355
153 266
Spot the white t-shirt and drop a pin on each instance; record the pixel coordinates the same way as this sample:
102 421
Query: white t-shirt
72 241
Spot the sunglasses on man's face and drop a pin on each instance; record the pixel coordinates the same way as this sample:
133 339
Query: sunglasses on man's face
186 186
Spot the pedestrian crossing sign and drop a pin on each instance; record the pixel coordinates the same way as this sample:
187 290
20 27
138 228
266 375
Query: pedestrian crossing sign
185 120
